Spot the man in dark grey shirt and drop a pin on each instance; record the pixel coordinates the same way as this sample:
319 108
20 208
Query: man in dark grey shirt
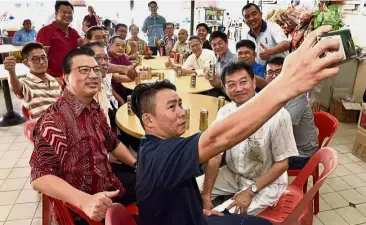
305 131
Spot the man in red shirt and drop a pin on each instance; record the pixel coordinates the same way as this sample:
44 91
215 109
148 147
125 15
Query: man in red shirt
72 142
58 37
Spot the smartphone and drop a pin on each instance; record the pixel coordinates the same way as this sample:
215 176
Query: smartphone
347 46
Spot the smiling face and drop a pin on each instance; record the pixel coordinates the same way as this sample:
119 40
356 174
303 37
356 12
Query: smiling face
202 33
122 31
118 47
134 31
82 84
169 118
64 15
182 36
240 87
98 36
196 47
102 59
37 61
169 30
219 46
246 54
252 17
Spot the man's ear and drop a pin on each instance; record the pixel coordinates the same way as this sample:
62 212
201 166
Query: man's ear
147 120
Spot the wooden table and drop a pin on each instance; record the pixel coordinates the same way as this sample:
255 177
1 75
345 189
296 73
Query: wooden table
11 118
182 83
131 124
157 63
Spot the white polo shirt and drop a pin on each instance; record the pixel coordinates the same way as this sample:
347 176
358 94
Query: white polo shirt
270 36
201 62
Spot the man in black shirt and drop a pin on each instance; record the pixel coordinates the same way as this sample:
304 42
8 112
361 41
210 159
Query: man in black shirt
167 193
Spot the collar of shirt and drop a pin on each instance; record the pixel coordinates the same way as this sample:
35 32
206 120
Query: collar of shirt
54 24
174 38
36 79
227 57
76 105
157 17
263 28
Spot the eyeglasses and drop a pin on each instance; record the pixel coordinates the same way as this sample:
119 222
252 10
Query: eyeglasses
37 59
273 73
99 59
86 69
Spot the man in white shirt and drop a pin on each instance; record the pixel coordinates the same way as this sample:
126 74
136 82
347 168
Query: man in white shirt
269 37
256 167
198 61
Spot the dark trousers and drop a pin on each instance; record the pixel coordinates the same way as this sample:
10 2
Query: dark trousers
154 50
297 162
235 219
127 176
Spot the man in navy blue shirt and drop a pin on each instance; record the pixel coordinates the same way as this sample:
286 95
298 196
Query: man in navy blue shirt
167 193
245 50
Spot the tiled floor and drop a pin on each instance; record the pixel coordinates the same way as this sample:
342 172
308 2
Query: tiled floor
20 205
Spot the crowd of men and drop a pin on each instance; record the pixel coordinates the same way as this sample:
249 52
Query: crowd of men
74 89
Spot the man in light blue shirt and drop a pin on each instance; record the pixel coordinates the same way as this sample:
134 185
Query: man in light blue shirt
24 35
154 27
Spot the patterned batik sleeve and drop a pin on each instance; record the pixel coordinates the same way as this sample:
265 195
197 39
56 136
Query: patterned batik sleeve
111 140
50 146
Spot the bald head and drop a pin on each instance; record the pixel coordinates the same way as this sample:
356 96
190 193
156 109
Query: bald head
182 35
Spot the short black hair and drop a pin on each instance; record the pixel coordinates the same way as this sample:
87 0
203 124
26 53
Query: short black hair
60 3
275 60
247 6
202 25
245 43
89 32
120 25
107 22
94 44
194 37
133 25
26 21
152 2
30 47
104 28
168 23
111 40
143 97
234 67
67 62
218 34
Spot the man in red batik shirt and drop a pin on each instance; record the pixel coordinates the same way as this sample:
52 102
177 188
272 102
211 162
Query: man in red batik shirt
58 37
72 142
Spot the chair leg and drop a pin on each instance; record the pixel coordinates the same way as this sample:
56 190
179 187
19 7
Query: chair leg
46 210
316 197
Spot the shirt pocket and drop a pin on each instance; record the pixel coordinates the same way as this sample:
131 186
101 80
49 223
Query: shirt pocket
256 146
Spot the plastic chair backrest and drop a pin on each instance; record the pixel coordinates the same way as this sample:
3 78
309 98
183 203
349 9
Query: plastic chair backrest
117 215
28 129
327 125
326 156
64 214
25 112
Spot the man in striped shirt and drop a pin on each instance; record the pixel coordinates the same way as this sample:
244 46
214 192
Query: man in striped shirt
38 90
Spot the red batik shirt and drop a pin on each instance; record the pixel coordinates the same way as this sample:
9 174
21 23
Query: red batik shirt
72 142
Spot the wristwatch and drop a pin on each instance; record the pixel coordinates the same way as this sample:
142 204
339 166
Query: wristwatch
254 188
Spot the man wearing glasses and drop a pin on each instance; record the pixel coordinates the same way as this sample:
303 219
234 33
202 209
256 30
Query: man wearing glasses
256 167
38 90
304 128
72 142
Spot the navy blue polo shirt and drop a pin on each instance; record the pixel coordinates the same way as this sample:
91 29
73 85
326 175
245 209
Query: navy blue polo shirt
166 188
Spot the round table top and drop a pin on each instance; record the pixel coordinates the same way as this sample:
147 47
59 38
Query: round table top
10 48
182 83
157 63
131 124
20 70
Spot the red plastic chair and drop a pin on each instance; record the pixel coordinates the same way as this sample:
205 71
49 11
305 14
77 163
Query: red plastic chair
65 215
25 112
295 208
327 125
28 129
118 215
